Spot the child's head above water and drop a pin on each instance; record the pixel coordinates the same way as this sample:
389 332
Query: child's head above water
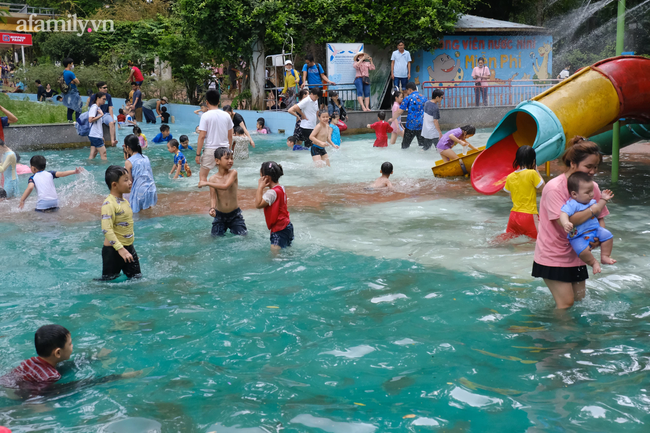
468 131
386 169
291 141
165 130
132 143
271 169
260 123
121 111
53 342
184 140
118 179
381 116
137 130
581 187
37 163
172 146
163 109
525 158
238 130
223 157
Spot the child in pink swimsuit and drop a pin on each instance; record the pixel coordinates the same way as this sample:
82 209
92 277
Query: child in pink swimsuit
397 128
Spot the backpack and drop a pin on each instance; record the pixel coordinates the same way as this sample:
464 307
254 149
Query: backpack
82 125
65 88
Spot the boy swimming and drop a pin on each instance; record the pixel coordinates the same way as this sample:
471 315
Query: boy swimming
118 253
291 144
581 188
382 181
223 196
43 181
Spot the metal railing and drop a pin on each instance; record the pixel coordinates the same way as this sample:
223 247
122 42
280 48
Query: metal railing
26 9
463 94
347 95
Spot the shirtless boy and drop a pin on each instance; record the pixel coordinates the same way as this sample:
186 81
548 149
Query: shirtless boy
223 196
382 181
321 137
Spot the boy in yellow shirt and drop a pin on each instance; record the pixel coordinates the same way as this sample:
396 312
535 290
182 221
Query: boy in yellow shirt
118 253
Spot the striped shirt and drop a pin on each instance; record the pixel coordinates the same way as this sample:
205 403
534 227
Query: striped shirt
36 370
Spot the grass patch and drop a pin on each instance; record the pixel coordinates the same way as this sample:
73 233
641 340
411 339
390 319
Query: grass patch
30 113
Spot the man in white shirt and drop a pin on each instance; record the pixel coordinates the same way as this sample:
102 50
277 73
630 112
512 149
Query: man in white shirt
564 74
307 112
215 130
430 127
96 135
400 67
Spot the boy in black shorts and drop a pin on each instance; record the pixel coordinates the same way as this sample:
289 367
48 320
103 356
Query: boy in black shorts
223 196
118 253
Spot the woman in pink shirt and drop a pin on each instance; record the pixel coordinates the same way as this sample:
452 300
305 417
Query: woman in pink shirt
481 75
555 260
363 64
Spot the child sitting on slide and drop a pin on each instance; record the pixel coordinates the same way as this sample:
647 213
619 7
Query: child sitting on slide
581 188
452 138
522 185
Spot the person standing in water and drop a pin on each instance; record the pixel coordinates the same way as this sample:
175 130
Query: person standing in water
143 191
215 130
9 161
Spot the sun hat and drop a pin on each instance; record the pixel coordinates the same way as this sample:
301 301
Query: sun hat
164 98
361 53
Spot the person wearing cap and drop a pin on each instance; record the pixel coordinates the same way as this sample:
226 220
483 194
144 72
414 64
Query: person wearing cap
291 77
363 64
151 105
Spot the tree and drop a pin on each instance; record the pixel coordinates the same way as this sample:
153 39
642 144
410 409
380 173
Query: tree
252 27
185 56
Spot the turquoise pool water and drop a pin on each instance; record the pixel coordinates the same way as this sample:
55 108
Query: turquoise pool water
391 312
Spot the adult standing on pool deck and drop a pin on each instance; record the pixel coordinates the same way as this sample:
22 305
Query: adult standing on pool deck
71 98
481 75
400 67
137 103
555 260
151 105
215 130
307 111
135 76
238 120
363 64
414 104
107 108
313 76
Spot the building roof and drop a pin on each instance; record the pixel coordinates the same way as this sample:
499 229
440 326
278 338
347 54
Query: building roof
474 24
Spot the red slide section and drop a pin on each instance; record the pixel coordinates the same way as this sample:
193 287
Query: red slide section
630 76
500 155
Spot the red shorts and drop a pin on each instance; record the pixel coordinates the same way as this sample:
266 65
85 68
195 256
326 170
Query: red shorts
522 224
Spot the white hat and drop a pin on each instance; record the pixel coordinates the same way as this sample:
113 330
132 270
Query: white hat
360 53
288 62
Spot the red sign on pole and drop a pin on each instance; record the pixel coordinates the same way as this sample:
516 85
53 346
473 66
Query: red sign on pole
16 39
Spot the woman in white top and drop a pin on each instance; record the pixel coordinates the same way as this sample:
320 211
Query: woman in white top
481 74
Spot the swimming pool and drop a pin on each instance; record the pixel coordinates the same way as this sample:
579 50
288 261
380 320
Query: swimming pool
391 312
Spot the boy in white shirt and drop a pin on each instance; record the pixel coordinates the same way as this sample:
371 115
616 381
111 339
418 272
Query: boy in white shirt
43 181
96 136
307 112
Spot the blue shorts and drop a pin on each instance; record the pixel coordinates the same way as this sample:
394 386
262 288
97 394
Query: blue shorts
107 119
400 83
139 83
317 151
363 90
233 220
284 237
581 242
96 142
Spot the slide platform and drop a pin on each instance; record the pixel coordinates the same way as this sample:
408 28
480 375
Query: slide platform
583 104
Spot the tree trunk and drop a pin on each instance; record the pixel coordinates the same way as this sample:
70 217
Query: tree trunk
257 77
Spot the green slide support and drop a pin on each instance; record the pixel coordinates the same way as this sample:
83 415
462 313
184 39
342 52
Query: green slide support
630 134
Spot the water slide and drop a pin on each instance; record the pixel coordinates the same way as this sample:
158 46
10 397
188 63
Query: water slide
584 104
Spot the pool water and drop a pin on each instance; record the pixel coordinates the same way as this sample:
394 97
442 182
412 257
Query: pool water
393 311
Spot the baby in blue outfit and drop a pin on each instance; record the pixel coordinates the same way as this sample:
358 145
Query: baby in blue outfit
581 189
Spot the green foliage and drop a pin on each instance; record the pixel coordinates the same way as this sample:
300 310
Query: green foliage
29 113
242 101
185 56
88 77
579 59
